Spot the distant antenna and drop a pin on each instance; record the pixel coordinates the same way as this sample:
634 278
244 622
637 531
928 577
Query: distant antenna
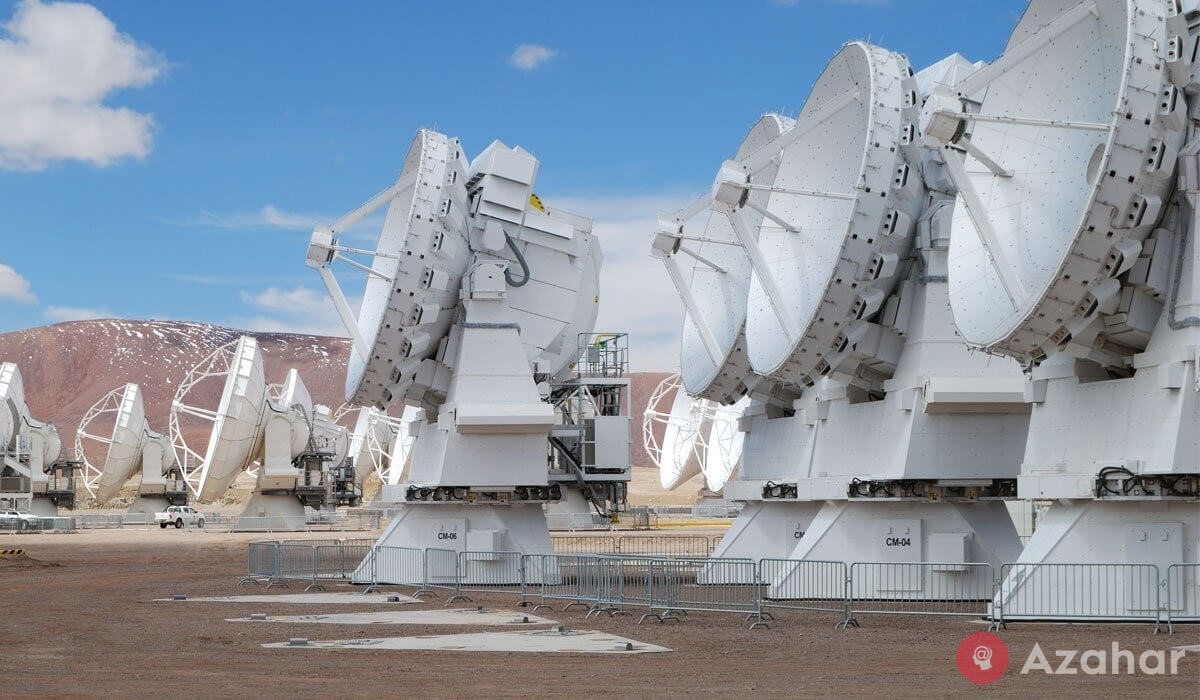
671 434
293 441
29 447
379 442
114 441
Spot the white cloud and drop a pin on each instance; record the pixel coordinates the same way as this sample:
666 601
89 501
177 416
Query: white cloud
636 295
530 56
60 314
296 310
58 61
269 216
14 286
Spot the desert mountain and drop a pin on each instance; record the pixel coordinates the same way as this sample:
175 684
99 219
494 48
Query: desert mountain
68 366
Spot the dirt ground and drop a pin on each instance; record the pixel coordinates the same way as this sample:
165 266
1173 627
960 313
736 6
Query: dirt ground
79 621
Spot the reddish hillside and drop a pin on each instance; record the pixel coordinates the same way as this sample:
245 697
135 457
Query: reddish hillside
68 366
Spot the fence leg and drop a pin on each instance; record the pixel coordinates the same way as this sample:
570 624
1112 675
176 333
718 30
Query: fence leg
249 577
848 616
315 585
524 600
650 602
458 582
276 578
424 588
997 622
757 615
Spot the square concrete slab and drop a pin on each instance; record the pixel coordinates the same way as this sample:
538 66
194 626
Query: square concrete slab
538 641
463 616
350 598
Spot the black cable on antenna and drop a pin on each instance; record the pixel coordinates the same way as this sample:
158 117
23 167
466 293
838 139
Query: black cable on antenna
520 259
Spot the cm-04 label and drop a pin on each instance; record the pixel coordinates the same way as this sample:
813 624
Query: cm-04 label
899 542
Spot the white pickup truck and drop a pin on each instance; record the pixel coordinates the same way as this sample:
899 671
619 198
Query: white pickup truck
179 516
16 520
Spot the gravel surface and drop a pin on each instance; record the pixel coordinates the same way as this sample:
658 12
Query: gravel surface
77 620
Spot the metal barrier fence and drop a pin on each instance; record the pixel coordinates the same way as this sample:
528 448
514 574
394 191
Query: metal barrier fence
666 587
35 524
571 578
315 561
491 572
229 522
638 545
398 566
815 586
676 586
261 562
1183 594
584 544
1078 591
919 588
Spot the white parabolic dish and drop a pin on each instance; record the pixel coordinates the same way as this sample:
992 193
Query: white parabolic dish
12 404
1082 193
847 189
723 450
676 452
417 269
125 409
721 294
237 434
12 398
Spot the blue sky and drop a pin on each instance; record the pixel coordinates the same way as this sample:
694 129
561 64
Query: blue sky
174 167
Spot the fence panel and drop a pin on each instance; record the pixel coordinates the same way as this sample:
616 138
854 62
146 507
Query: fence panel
920 588
584 544
1078 592
817 586
1183 594
262 562
397 566
441 569
665 546
491 572
682 585
295 562
565 577
336 563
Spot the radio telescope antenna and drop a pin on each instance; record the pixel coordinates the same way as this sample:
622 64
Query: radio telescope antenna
713 354
671 434
426 211
295 443
476 296
1074 252
30 450
847 328
379 442
692 436
114 441
836 233
234 434
723 444
1053 205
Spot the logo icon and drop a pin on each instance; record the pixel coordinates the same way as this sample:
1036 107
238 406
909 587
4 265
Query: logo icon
982 658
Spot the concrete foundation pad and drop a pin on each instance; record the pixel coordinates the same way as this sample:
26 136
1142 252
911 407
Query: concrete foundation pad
305 599
462 616
539 641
